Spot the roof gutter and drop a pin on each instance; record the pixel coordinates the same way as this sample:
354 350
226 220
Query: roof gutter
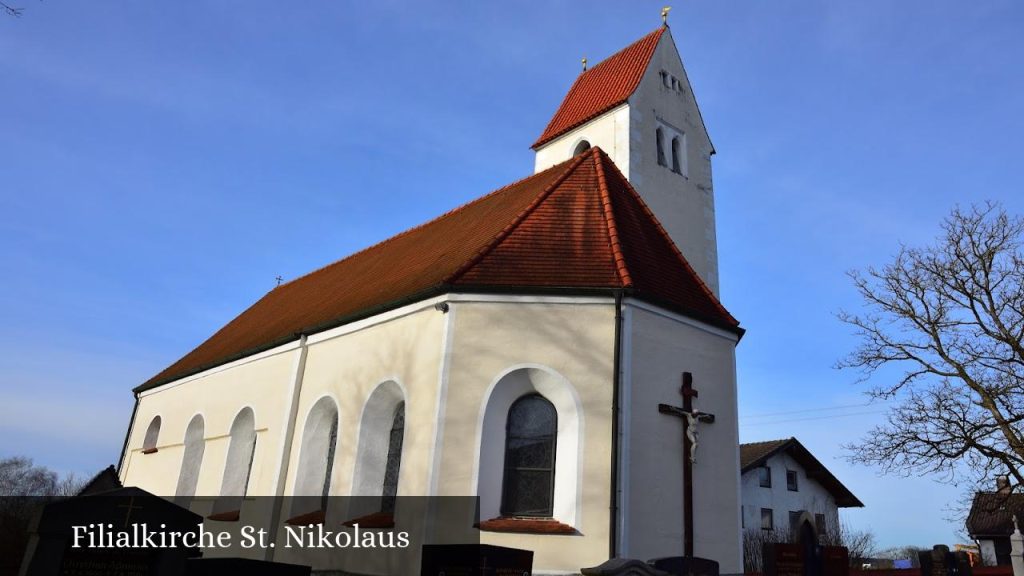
613 515
127 435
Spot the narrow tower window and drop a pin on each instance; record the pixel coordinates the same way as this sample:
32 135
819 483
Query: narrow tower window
659 135
676 152
582 147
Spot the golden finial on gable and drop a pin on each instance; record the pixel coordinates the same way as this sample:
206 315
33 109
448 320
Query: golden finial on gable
664 15
584 61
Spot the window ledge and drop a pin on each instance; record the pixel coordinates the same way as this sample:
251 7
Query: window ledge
314 517
375 520
149 450
526 526
229 516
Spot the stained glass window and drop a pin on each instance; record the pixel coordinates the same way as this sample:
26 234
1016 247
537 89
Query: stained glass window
530 433
394 460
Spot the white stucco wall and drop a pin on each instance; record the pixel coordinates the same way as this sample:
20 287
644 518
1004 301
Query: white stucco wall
663 346
609 131
810 496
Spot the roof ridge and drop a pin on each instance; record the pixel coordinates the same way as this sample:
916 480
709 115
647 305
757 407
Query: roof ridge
661 229
507 230
660 30
635 65
408 231
611 227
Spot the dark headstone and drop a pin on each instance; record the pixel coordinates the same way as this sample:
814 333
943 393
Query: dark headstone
783 560
835 561
623 567
475 560
51 552
222 566
686 566
939 561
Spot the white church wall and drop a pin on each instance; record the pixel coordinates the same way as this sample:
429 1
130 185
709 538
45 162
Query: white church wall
683 202
661 347
609 131
569 340
218 395
350 367
810 496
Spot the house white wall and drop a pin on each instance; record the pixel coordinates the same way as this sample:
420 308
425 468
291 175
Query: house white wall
810 496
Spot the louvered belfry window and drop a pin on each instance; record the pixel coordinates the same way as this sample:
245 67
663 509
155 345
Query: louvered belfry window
530 434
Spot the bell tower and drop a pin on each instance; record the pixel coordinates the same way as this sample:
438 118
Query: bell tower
638 106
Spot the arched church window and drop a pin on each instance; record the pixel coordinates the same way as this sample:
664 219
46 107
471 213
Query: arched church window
191 461
659 135
152 436
238 466
316 456
582 147
394 461
676 154
529 483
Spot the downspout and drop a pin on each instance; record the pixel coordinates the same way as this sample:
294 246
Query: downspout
286 450
613 520
127 436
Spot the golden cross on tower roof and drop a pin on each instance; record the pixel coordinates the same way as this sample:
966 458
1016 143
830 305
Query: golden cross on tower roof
664 15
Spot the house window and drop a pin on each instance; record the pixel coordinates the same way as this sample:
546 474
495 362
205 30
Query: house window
764 475
767 522
791 483
529 483
660 137
819 523
794 520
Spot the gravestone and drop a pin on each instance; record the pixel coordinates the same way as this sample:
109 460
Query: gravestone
835 561
475 560
783 559
222 566
939 561
51 553
683 566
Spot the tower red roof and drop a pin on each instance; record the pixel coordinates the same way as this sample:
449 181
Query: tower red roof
573 228
603 87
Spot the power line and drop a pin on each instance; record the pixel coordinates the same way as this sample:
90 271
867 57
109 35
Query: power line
807 410
787 420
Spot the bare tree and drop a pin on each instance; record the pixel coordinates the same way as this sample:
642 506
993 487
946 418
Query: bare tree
11 10
952 316
859 543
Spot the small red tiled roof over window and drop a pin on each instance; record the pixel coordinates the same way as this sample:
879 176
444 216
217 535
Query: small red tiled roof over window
602 87
573 228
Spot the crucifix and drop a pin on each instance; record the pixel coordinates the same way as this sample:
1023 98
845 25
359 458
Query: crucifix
130 506
690 419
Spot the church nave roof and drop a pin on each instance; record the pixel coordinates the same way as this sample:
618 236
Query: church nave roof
574 228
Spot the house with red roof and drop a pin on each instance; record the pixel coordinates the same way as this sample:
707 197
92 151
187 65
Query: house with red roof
514 349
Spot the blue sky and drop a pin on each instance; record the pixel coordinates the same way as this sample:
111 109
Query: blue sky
162 163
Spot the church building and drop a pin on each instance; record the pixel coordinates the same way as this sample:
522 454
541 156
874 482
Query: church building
516 348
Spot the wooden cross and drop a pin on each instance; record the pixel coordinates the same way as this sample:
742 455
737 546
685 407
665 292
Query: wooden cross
130 506
690 418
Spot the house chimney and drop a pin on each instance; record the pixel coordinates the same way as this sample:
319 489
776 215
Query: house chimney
1003 484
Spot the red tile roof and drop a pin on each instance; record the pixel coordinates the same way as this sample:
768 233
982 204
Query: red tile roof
602 87
756 454
573 228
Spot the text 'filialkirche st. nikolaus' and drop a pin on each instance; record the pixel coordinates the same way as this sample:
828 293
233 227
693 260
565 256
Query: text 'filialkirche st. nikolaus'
516 348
